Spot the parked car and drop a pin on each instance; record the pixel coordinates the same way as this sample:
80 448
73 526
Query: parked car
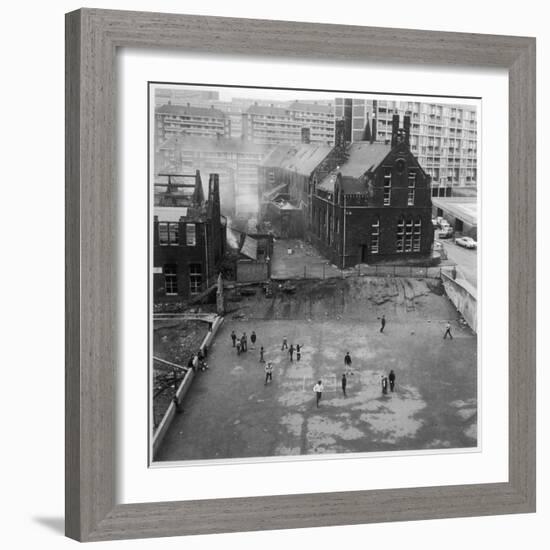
466 242
445 233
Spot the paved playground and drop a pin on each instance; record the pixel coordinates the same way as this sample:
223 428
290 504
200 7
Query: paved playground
230 413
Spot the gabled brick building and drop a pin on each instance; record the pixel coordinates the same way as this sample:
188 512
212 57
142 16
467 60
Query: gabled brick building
364 201
189 236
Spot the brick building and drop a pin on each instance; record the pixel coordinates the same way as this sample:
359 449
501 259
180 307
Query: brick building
291 169
189 236
442 136
362 202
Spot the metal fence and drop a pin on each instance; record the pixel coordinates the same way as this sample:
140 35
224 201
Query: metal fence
323 271
398 271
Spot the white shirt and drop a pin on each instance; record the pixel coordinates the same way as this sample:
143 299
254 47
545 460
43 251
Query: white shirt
318 388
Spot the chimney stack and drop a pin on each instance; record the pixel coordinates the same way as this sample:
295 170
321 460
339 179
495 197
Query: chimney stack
214 188
394 130
306 135
340 133
368 133
198 195
213 204
407 128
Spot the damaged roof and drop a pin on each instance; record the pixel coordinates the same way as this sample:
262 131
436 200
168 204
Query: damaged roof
182 140
272 193
363 156
170 213
350 185
250 248
302 158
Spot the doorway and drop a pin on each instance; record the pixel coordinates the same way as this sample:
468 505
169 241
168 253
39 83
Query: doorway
363 255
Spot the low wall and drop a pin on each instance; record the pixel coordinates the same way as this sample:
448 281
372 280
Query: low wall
182 391
463 296
171 411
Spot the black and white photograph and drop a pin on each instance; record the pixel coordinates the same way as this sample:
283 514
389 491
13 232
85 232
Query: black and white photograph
275 284
313 270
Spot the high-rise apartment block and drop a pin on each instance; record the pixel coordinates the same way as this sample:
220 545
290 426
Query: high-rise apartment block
178 96
271 124
171 120
443 137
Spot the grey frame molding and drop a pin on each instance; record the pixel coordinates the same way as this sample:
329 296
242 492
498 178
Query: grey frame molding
92 38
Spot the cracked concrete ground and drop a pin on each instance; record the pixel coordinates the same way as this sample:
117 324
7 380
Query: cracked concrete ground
230 413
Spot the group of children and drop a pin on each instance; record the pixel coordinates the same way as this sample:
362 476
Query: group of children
242 346
386 380
242 343
318 388
292 349
391 379
198 360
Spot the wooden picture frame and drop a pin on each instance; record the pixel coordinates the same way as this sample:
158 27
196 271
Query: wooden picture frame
92 39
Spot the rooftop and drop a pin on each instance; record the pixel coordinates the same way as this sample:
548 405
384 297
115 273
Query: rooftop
267 110
363 156
310 107
350 185
170 213
189 110
219 144
463 208
301 158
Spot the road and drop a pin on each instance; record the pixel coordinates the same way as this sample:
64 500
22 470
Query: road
464 258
